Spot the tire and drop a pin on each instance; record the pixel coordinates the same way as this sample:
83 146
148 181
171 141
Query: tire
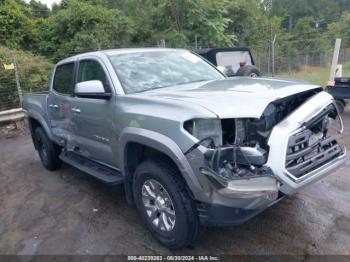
186 226
48 151
248 70
340 105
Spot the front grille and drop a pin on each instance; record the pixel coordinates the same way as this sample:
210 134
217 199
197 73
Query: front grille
308 151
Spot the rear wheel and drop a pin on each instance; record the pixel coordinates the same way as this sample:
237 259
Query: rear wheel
340 105
48 151
164 204
248 70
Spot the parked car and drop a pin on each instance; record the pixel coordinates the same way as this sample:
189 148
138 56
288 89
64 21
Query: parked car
236 61
340 91
192 147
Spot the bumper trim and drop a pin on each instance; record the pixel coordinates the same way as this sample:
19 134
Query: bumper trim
219 215
322 170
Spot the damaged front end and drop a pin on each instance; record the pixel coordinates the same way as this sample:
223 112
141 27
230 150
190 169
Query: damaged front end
259 158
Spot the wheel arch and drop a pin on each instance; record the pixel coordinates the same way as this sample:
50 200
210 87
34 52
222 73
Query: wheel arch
35 121
137 144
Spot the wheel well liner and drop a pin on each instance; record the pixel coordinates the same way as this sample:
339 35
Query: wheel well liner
135 154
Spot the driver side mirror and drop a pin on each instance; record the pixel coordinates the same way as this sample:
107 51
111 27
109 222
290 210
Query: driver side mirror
91 89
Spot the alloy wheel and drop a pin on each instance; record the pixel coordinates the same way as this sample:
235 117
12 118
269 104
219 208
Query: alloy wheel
158 205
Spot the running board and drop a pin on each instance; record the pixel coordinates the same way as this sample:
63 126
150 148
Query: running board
92 168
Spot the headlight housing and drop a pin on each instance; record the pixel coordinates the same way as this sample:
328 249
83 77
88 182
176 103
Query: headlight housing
205 128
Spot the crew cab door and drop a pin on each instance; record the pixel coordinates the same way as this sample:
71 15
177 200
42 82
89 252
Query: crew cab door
92 117
59 101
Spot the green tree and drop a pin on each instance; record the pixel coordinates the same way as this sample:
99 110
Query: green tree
183 20
248 23
15 25
340 29
306 37
83 27
34 73
323 12
39 10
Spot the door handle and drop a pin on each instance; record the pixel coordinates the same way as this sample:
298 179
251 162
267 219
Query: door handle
75 110
53 106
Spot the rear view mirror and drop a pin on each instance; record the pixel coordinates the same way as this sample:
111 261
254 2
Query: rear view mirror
91 89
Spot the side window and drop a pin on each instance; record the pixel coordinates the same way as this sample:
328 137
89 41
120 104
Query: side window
92 70
64 78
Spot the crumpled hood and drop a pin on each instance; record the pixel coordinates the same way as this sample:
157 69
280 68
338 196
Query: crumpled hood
235 97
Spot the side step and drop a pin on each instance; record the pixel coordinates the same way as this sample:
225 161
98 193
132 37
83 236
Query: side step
92 168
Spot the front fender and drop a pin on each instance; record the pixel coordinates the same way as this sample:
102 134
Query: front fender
160 143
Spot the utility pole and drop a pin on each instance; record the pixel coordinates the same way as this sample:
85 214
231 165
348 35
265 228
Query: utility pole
290 24
162 43
273 41
290 29
269 60
273 55
19 89
334 60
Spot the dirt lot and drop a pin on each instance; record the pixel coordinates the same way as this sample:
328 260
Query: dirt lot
66 212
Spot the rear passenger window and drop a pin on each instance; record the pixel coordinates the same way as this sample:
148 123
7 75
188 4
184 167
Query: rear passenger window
64 79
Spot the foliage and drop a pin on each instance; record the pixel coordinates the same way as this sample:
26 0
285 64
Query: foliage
306 37
183 21
180 23
73 26
95 27
39 10
34 75
15 24
341 29
248 23
76 26
320 10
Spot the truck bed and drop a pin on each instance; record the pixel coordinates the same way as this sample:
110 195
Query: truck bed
35 104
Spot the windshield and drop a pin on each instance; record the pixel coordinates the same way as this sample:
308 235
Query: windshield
142 71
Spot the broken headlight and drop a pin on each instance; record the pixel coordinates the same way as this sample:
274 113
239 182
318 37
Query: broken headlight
208 130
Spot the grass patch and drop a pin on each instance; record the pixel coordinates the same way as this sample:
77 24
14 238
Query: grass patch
314 75
346 69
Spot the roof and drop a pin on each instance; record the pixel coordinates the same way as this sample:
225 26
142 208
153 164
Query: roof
111 52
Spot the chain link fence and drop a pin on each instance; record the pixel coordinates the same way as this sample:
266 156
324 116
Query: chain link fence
34 71
9 96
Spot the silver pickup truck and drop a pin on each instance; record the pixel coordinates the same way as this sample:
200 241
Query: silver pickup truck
192 147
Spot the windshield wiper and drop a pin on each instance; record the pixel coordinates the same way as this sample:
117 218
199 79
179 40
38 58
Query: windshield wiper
176 84
194 81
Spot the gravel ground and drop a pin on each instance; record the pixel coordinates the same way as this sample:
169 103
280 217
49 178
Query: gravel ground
66 212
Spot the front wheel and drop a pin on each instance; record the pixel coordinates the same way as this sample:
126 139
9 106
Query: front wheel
164 204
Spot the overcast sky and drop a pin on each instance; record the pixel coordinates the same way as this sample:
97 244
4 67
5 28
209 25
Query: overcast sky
47 2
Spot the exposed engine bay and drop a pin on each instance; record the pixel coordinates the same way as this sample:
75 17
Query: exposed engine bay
253 132
244 149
